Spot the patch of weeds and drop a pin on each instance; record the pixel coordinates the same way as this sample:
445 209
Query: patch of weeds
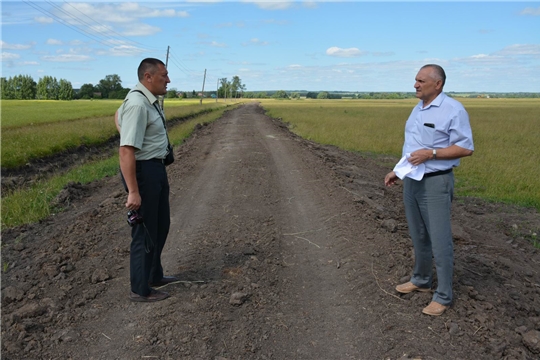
530 235
5 267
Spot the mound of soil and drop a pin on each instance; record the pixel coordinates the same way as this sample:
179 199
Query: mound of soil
284 249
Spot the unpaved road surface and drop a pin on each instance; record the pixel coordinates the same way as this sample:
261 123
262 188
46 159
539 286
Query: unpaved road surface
285 249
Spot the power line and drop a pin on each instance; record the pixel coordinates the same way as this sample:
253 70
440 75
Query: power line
109 28
97 36
180 66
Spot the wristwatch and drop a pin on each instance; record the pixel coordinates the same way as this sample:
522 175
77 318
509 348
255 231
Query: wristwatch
434 154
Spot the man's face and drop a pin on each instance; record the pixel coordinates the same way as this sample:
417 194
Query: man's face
158 81
427 88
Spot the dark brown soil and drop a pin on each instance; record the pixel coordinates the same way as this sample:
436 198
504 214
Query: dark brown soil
286 249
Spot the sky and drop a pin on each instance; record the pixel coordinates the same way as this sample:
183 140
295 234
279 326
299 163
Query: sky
278 45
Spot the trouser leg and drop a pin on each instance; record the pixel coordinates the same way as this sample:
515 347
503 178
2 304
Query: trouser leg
437 212
422 272
151 235
163 225
427 206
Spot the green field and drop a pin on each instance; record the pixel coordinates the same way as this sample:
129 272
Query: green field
504 166
34 129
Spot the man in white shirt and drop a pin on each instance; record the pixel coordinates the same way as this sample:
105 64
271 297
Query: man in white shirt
437 135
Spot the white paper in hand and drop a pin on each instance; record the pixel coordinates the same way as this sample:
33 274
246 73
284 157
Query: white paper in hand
405 168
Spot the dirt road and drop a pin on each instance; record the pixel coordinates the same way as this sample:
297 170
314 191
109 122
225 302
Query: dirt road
285 250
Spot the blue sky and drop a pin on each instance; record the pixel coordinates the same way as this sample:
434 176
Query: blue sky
278 45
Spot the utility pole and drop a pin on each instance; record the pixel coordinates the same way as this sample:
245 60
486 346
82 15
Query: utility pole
162 97
204 80
217 90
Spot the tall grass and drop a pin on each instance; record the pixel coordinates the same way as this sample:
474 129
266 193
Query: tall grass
30 138
504 166
25 206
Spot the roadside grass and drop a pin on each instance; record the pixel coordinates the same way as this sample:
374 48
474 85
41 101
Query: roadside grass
504 166
35 140
30 205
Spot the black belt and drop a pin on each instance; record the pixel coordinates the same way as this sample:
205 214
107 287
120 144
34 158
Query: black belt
435 173
161 161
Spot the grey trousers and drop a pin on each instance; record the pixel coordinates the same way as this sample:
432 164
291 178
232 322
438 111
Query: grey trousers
427 207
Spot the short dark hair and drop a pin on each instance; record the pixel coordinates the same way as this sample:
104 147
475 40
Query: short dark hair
439 72
148 65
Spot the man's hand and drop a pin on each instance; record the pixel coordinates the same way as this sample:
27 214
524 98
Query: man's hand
133 201
420 156
390 179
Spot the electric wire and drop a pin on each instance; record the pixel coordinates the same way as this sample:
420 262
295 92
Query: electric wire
109 29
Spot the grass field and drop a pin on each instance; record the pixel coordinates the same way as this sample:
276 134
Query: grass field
504 166
35 129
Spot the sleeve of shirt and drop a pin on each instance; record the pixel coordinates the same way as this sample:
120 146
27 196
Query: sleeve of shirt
460 130
133 126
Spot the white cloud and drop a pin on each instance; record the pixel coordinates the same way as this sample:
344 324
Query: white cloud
216 44
26 63
339 52
521 49
9 56
54 42
255 41
5 45
43 20
66 58
125 50
531 11
141 30
272 4
310 4
383 53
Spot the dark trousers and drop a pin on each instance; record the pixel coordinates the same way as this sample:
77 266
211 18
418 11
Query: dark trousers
145 267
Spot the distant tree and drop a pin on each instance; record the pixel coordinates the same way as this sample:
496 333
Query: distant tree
21 87
111 83
65 90
87 91
262 95
280 94
322 95
237 86
47 88
5 89
311 95
172 94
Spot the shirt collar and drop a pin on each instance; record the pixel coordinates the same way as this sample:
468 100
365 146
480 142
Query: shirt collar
146 92
436 102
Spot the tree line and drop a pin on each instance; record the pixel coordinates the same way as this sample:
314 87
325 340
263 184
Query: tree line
23 87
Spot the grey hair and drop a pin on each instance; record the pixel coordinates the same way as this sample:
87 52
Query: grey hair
148 65
438 72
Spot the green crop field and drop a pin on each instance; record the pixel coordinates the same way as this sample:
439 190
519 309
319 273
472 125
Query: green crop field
34 129
504 166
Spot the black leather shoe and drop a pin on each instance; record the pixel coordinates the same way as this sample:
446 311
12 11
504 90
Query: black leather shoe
155 295
164 281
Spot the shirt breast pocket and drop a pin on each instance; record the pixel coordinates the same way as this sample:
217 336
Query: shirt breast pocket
428 134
